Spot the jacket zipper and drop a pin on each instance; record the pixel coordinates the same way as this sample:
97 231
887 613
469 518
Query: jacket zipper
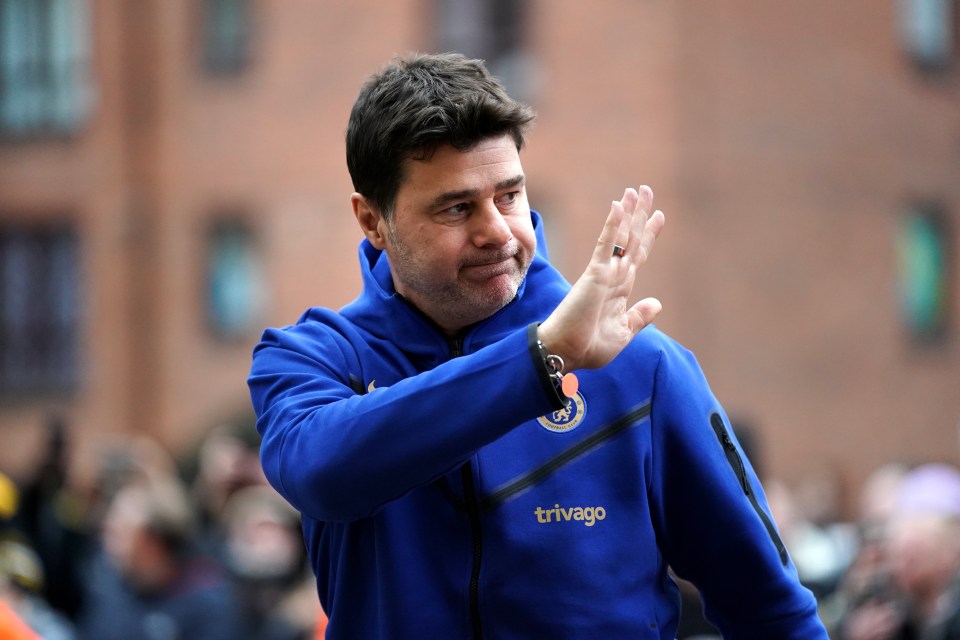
733 457
473 511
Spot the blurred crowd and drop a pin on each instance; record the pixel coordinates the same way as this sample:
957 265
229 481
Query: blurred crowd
159 548
891 572
154 547
903 581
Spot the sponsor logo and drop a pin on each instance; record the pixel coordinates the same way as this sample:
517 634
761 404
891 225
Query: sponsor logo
589 516
566 419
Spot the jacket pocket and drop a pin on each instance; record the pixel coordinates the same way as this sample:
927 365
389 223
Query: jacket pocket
736 463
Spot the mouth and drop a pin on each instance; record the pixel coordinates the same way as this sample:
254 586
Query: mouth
490 268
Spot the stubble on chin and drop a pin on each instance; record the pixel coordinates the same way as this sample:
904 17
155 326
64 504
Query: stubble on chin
454 302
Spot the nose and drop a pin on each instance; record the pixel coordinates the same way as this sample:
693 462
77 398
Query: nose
490 229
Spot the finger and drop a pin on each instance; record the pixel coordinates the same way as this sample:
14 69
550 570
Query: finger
645 197
608 235
629 201
643 313
650 234
638 222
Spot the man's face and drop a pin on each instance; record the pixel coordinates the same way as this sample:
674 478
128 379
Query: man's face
123 530
461 239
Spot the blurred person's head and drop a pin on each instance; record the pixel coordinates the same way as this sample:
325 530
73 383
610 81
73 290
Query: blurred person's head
416 105
227 461
147 531
123 461
876 507
263 538
878 495
924 535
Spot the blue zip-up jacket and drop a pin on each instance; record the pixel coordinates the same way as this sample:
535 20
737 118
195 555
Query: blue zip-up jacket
444 496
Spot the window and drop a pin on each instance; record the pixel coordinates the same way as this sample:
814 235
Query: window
924 257
492 30
227 31
234 282
45 82
928 30
39 309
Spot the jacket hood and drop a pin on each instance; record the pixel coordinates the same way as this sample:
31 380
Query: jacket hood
385 315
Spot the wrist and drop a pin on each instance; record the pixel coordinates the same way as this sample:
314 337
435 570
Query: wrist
555 345
558 377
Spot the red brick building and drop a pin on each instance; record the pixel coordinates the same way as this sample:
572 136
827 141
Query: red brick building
172 180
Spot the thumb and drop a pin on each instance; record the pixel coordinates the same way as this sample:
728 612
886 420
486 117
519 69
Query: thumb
643 313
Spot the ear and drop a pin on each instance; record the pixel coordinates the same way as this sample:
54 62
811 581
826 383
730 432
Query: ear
370 220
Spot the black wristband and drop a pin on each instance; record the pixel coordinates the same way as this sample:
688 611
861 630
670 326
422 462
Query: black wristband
553 390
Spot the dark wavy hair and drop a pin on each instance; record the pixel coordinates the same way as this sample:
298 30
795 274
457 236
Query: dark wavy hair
416 104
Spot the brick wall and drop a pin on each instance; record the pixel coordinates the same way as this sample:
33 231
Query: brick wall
782 140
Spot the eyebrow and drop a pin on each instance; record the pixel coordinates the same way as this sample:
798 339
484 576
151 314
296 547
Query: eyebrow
465 194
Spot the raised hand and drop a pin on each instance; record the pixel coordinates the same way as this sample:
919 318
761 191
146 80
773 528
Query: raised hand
593 323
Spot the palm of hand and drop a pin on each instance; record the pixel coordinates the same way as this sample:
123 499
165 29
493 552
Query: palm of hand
593 323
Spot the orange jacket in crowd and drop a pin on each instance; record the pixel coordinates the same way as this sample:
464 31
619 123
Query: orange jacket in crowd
12 627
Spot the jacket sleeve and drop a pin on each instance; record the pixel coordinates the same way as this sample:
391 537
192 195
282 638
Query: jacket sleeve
712 518
338 455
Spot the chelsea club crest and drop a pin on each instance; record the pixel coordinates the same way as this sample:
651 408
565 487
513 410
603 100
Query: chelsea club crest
566 419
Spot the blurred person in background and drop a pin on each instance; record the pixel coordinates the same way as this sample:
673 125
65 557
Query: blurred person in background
807 513
267 561
226 461
908 587
25 609
57 512
21 587
867 577
454 480
52 518
868 573
148 583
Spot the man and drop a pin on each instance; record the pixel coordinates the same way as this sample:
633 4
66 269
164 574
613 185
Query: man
148 584
453 481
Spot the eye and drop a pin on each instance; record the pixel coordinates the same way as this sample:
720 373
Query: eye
458 209
508 198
